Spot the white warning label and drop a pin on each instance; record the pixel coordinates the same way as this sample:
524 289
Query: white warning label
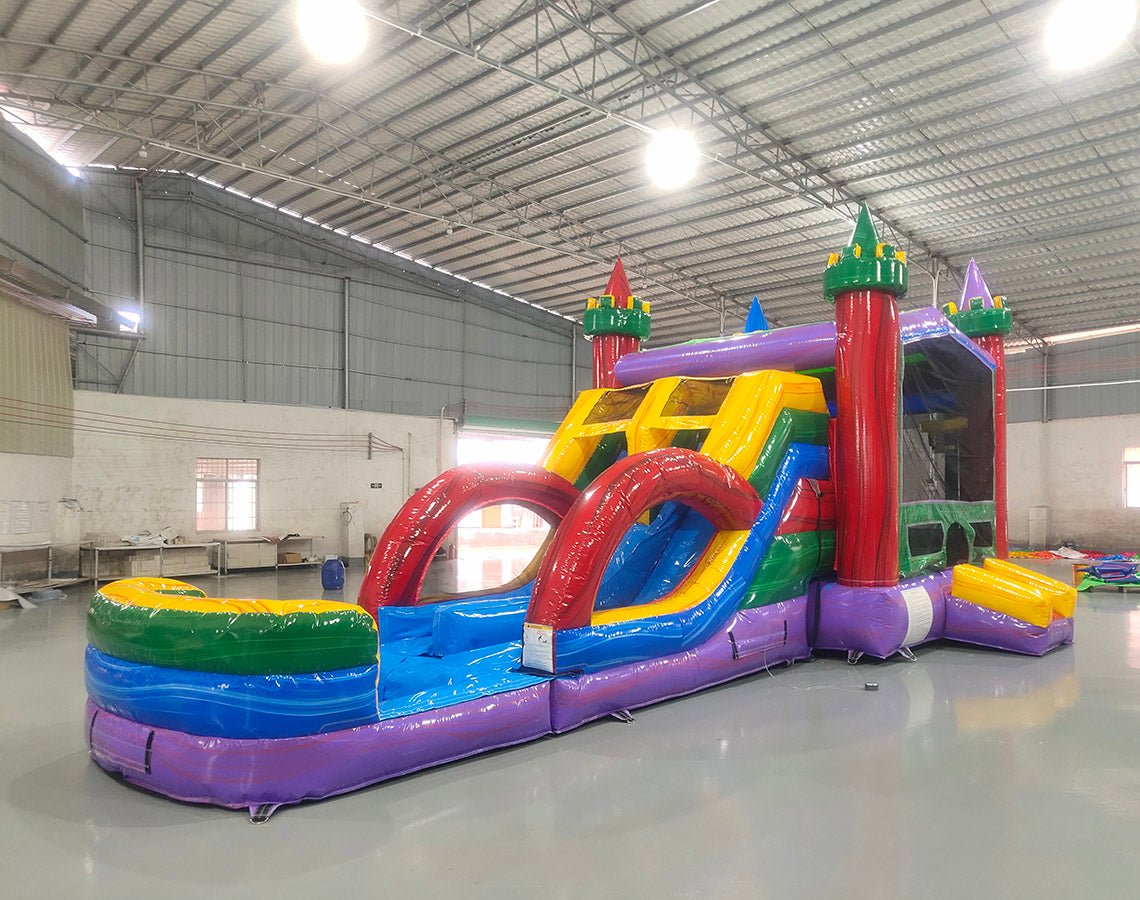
538 647
920 614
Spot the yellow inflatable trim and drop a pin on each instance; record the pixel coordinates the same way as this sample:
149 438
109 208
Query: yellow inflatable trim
1021 599
738 412
1064 596
147 593
745 420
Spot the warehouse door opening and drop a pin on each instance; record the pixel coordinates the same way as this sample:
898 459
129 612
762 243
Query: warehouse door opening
493 545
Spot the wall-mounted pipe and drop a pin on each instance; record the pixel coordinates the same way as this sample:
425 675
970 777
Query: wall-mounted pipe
573 365
347 282
140 281
408 469
439 441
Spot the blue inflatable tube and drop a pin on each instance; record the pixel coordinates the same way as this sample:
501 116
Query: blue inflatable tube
233 706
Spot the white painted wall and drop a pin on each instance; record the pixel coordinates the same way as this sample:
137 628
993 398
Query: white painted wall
128 484
39 479
1075 467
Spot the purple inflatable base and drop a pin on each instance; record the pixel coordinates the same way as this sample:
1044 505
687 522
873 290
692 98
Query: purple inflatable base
269 773
275 772
881 621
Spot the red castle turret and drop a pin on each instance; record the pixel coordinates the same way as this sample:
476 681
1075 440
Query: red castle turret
616 322
864 281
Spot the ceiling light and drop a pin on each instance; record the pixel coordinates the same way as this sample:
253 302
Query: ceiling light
1082 32
671 158
129 320
334 30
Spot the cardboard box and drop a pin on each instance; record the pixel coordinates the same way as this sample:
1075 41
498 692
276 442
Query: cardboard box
289 557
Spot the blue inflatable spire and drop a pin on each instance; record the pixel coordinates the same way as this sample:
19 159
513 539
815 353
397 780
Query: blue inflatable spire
756 320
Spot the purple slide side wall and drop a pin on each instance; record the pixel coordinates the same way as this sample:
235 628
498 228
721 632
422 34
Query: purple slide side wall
755 639
974 624
252 772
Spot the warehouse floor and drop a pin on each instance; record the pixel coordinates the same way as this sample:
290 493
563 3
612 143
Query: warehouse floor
968 772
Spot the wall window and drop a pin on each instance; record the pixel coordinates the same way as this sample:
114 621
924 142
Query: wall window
1132 477
226 494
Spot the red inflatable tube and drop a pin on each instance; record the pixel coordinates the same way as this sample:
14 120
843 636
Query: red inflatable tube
807 512
568 580
405 550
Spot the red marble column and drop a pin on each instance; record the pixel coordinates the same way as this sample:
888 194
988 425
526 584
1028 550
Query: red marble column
608 349
867 376
994 345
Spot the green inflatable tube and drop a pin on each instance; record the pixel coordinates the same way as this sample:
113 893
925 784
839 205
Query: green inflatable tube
249 643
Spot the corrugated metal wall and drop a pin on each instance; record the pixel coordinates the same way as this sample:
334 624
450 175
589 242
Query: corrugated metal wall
41 209
1095 363
35 382
247 304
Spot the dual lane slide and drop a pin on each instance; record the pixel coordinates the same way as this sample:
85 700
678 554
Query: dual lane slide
735 472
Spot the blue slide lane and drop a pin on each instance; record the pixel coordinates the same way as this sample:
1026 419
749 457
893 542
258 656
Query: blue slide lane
601 646
235 706
456 626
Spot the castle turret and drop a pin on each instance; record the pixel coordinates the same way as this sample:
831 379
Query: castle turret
864 281
616 323
987 320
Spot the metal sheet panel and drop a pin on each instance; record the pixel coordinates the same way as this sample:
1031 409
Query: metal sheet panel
242 307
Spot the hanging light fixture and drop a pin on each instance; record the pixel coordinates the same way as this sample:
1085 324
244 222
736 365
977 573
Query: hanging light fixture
1080 33
671 158
335 31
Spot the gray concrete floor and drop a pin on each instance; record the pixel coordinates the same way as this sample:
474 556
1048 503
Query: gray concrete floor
967 773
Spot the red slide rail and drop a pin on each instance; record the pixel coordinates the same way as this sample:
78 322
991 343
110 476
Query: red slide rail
400 561
568 580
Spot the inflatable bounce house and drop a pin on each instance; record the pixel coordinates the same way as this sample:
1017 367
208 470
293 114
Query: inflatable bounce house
717 508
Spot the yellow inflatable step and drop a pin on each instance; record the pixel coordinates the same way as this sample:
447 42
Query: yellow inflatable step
1021 599
1064 596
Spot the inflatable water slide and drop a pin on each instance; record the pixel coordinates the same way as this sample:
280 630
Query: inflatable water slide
716 508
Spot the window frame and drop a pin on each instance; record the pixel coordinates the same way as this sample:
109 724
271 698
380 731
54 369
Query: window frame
227 483
1129 465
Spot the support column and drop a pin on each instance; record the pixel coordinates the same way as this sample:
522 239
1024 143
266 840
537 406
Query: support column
864 281
986 320
994 345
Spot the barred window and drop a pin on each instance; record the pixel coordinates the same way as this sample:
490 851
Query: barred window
226 494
